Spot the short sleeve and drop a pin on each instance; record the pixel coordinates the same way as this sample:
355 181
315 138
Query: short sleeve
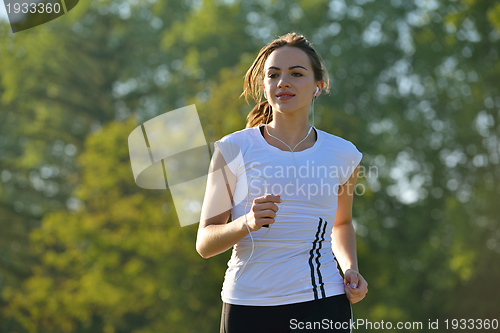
352 159
231 153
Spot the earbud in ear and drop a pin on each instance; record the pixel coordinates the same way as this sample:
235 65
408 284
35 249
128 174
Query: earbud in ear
265 94
317 89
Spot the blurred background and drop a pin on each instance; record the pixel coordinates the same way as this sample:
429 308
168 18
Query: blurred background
415 86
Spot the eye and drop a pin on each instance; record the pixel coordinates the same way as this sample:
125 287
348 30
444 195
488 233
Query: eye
272 75
297 74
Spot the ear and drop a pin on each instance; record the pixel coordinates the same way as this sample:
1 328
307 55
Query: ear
320 85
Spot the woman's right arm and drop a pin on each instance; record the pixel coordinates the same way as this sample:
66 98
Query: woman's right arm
215 235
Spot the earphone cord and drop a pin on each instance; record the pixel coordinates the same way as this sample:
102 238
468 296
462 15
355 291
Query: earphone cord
267 185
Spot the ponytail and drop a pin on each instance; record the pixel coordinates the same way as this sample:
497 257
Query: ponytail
259 114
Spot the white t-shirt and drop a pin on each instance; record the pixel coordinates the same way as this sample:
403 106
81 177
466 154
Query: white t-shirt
294 261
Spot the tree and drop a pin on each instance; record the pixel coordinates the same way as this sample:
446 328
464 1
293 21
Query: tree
413 86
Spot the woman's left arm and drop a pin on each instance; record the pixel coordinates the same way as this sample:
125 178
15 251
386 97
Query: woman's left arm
344 242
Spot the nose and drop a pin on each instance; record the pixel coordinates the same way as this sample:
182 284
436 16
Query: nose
283 83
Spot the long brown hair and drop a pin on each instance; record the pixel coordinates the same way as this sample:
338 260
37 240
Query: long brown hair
254 77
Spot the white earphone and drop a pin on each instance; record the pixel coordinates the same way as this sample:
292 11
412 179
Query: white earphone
317 89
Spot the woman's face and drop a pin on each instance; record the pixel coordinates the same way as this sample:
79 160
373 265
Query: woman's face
289 80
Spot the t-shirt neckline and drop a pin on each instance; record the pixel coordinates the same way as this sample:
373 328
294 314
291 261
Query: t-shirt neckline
262 141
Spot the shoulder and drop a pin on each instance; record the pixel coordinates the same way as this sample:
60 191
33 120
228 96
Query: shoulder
231 145
337 142
238 136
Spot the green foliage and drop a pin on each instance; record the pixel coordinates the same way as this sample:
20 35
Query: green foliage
121 258
413 86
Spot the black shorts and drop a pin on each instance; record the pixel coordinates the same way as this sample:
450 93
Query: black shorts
330 314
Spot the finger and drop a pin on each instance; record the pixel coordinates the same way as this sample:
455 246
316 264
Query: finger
271 198
266 213
352 299
267 206
362 284
348 276
270 206
265 221
354 281
354 295
267 218
266 199
347 292
350 291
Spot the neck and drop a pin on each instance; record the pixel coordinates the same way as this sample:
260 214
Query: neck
292 137
291 129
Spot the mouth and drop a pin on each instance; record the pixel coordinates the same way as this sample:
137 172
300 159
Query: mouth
284 95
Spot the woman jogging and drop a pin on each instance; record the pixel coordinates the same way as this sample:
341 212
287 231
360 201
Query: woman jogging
289 189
